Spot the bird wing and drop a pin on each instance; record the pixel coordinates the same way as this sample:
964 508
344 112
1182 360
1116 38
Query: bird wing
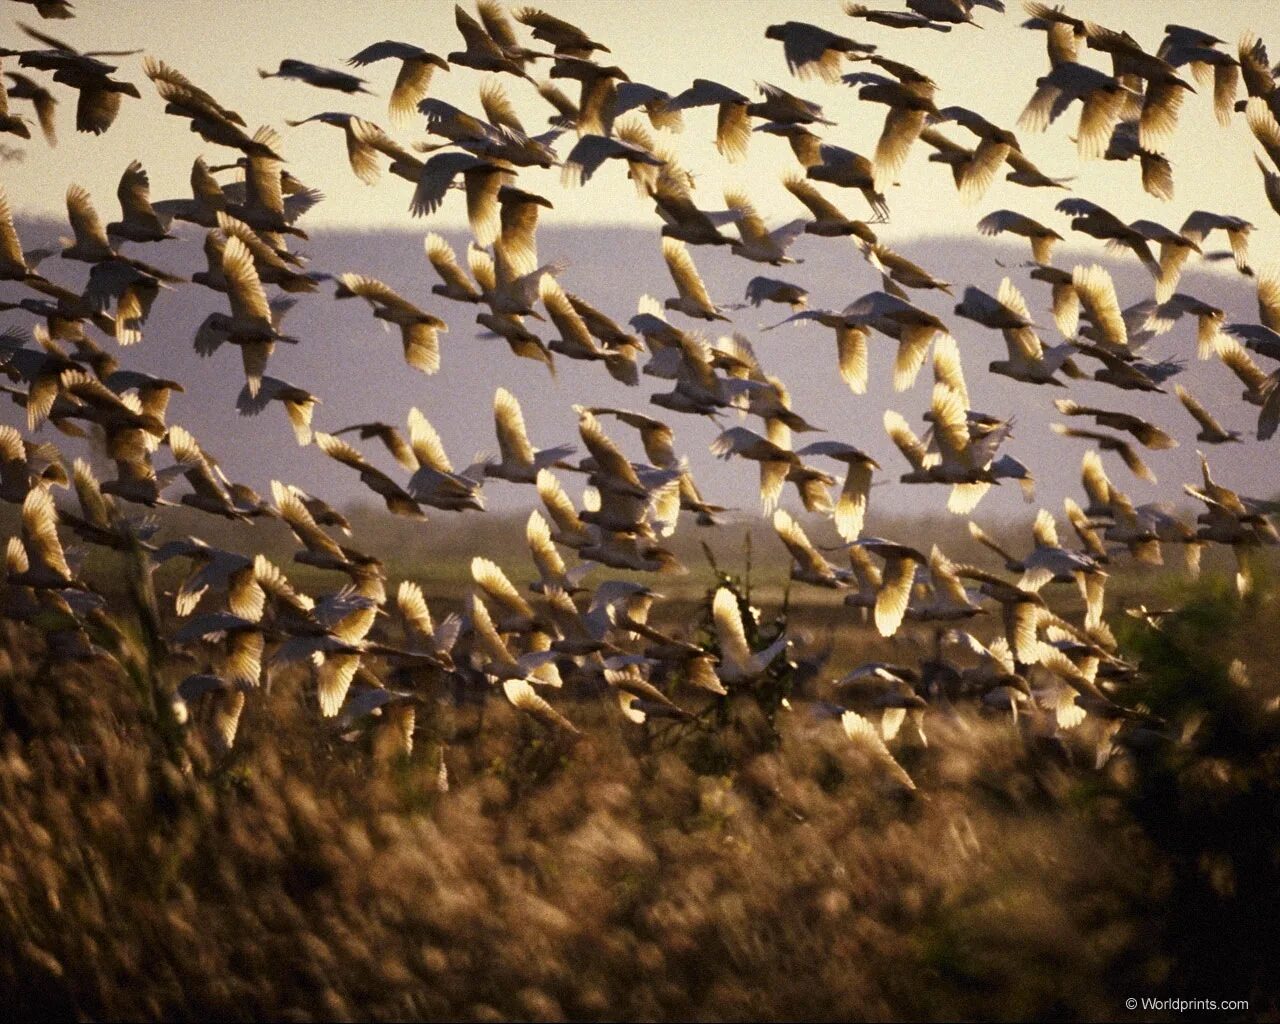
426 443
558 505
729 630
1234 356
814 52
10 246
704 93
85 222
348 455
445 264
748 222
851 354
607 454
411 85
947 369
863 734
517 241
688 284
244 287
291 503
493 581
588 153
913 346
195 465
545 556
572 328
895 592
798 544
376 293
486 636
902 126
40 531
513 439
1098 115
88 492
851 507
435 178
733 131
522 695
412 605
905 439
818 204
498 107
1097 294
421 342
134 193
951 428
497 24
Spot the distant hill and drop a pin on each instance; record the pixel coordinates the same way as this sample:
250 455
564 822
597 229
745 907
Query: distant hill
358 370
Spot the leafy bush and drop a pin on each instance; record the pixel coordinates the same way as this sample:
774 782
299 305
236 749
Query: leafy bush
1209 798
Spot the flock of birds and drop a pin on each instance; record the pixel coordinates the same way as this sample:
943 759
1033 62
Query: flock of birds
372 656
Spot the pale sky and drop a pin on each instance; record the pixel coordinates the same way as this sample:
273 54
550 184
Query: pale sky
667 44
992 70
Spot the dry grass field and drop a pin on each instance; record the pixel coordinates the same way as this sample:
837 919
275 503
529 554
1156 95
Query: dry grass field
751 862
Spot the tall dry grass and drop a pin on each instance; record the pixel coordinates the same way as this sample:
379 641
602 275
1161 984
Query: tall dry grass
295 879
630 874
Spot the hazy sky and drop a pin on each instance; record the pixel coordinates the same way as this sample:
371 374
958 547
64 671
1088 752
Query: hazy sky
993 70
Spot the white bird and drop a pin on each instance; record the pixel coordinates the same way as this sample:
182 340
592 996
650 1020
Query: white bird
756 242
738 662
434 482
812 51
851 507
897 578
413 78
692 299
1102 99
807 565
867 738
419 331
519 462
299 404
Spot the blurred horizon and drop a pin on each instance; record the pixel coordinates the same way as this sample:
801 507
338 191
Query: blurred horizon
458 401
